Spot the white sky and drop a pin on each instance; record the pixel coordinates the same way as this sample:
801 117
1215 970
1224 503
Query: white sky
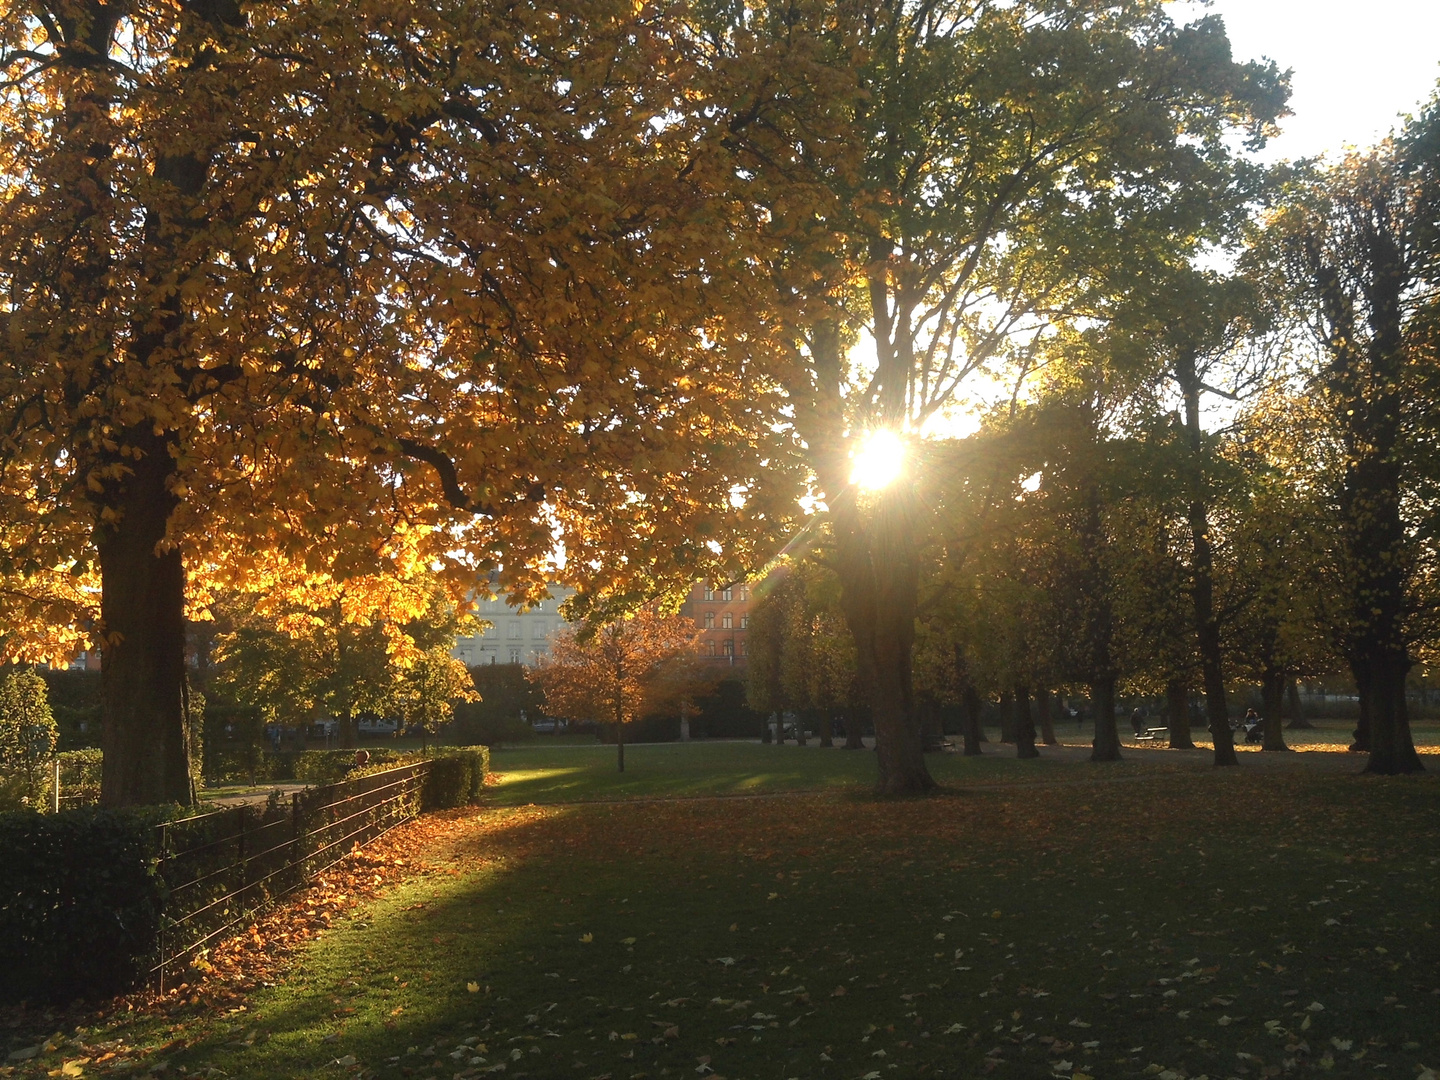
1358 64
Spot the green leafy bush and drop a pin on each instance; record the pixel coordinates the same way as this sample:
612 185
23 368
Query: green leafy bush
80 902
27 739
456 778
332 766
79 777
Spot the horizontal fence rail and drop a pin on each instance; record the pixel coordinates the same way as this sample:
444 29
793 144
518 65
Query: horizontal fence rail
220 869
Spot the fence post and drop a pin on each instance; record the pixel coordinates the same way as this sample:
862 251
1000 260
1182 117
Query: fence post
297 857
160 937
55 787
240 856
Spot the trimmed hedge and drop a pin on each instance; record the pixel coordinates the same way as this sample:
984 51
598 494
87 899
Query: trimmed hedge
80 901
456 778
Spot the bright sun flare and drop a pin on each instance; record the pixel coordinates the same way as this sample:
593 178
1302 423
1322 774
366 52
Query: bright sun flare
878 461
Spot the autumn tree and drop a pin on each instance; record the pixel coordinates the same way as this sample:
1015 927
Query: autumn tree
1355 244
800 656
1010 149
315 649
337 282
620 671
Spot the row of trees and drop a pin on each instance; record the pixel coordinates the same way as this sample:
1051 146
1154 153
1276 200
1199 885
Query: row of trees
1097 533
293 295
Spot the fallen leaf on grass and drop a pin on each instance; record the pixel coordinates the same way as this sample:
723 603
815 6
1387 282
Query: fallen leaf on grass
473 987
586 939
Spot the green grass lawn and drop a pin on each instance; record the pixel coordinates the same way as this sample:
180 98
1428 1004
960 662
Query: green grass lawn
544 774
1237 923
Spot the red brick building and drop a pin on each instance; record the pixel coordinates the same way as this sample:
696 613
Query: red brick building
722 615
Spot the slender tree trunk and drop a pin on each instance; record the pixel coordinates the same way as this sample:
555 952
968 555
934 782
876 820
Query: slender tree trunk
143 659
1106 746
971 706
1007 716
800 726
827 729
932 726
1360 737
1044 705
1272 702
1298 722
1177 708
1202 563
1099 628
349 731
1024 725
854 733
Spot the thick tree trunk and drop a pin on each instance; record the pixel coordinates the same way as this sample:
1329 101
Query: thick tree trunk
971 706
1024 725
1106 746
1007 716
1177 708
854 733
1044 705
1298 722
879 587
1272 702
800 718
143 658
827 729
1392 750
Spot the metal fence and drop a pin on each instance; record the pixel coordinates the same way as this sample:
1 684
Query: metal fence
220 869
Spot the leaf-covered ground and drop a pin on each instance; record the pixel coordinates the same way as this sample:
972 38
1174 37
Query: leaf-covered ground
1237 923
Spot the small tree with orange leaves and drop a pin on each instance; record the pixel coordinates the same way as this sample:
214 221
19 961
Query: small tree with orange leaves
620 671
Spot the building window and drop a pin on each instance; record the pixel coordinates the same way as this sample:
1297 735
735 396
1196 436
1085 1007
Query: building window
744 592
709 620
514 656
709 593
537 630
744 622
729 647
709 648
744 648
728 594
513 630
725 621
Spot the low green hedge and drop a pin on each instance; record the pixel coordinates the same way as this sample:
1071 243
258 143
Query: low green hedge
80 902
456 778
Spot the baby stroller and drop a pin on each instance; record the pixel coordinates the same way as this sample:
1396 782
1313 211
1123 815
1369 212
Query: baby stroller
1253 727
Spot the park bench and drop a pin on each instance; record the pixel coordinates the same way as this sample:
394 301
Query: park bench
1150 734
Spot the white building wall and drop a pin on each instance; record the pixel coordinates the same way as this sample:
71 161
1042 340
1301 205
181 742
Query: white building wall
514 636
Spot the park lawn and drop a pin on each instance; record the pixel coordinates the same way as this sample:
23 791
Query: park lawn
1234 923
545 774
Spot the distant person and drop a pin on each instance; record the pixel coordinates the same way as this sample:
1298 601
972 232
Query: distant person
1137 721
362 758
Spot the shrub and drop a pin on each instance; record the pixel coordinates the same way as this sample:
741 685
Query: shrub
455 778
27 739
332 766
79 777
80 901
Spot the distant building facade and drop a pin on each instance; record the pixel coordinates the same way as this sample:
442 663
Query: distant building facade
722 615
514 636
